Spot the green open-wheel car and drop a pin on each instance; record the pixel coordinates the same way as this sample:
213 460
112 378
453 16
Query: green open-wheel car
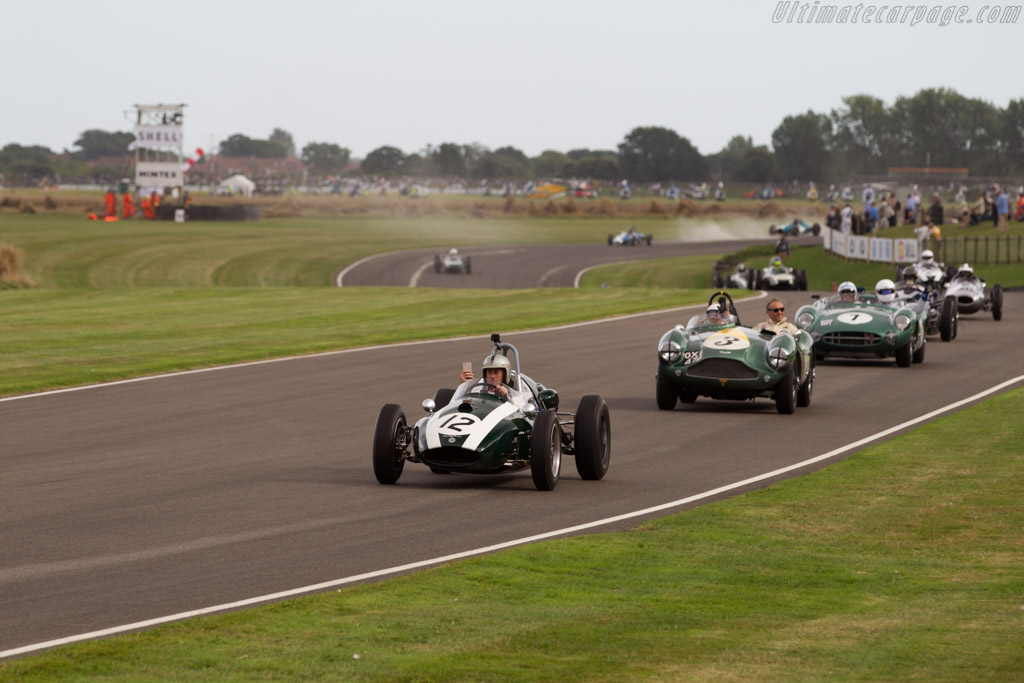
484 428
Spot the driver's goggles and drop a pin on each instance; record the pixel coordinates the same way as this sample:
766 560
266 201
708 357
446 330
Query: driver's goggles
887 291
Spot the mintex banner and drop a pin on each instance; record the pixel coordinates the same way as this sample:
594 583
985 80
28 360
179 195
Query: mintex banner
156 173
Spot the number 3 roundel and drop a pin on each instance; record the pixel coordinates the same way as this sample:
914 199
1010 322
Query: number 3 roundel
728 340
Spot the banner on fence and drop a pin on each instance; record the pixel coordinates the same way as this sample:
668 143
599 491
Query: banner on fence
875 249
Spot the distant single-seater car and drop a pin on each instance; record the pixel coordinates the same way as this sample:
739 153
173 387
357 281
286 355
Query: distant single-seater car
929 271
973 294
453 262
853 324
740 278
713 355
795 229
631 237
485 428
776 275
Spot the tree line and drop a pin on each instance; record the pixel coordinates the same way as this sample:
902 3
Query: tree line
936 127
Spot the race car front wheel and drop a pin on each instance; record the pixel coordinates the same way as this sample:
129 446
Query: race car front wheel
546 451
389 443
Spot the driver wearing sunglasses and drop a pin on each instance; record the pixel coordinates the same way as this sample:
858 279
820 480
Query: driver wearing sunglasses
776 319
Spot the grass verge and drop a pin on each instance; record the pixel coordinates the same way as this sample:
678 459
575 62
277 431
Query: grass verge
59 338
904 561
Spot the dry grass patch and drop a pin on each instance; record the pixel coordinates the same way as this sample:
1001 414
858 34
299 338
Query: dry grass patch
11 276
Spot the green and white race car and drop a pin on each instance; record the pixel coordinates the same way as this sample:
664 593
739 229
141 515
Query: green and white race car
714 355
853 324
483 428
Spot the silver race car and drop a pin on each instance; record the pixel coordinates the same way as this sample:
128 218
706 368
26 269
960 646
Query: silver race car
973 295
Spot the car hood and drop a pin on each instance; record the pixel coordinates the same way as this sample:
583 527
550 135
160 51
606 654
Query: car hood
471 423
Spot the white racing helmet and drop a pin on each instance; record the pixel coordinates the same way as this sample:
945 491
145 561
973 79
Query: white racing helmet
886 291
965 270
927 256
498 362
847 288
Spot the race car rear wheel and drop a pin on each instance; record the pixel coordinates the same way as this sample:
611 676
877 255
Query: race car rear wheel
802 277
437 263
469 265
649 238
815 229
610 239
904 356
593 438
947 319
806 390
785 393
546 451
389 444
997 302
666 393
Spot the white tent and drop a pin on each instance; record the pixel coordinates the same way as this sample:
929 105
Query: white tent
239 184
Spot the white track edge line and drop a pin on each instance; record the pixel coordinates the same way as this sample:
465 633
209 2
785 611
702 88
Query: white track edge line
507 544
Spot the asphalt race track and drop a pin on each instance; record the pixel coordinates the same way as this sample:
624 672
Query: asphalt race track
521 267
134 501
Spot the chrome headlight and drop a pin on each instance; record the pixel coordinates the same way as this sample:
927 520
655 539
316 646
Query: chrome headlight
804 320
778 358
902 321
669 352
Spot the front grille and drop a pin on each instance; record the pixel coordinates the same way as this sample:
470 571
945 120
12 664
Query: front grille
965 300
851 338
452 455
722 368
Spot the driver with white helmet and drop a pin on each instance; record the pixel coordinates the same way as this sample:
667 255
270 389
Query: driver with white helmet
847 292
965 273
885 290
499 379
927 257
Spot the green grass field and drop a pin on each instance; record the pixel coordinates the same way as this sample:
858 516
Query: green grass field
904 561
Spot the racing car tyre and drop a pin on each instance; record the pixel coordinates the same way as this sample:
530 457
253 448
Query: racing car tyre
437 263
469 265
758 279
806 390
442 398
919 354
593 438
815 229
388 460
772 229
997 302
546 451
785 393
752 280
717 282
947 319
649 238
666 394
610 239
687 396
802 278
904 356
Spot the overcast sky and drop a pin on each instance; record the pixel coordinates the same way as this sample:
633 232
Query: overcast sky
534 75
